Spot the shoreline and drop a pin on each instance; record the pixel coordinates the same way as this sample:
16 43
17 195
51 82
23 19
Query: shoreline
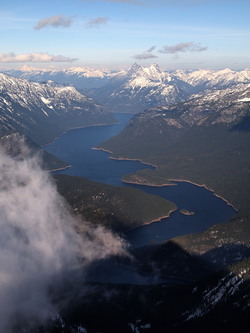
141 161
73 128
124 158
185 181
207 188
162 217
170 179
148 184
59 169
187 212
154 220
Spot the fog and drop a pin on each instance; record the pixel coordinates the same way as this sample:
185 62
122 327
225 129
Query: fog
40 251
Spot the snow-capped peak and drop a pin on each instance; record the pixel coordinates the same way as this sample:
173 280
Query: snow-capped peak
86 72
152 72
133 70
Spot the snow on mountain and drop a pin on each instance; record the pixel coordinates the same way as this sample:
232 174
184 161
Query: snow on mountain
43 111
229 289
28 94
216 106
86 72
151 72
211 78
85 77
141 88
79 77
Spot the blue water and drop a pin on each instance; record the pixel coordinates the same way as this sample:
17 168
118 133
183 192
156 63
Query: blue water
207 208
75 147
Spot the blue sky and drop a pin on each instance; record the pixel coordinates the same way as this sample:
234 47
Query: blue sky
116 33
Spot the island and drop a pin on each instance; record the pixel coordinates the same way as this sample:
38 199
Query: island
186 212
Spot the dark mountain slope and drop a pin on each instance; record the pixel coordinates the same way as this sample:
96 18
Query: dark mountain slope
19 146
44 111
219 303
197 141
119 208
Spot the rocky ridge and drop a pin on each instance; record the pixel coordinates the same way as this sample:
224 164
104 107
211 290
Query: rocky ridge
44 111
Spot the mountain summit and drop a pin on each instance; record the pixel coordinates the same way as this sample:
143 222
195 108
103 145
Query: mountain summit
141 88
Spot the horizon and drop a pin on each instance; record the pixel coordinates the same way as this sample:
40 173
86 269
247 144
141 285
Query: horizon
180 34
27 68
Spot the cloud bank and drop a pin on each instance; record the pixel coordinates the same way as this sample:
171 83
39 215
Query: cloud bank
39 248
144 56
54 21
95 23
183 47
34 57
174 49
147 54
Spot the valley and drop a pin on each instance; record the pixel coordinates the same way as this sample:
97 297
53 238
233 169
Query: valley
190 128
76 147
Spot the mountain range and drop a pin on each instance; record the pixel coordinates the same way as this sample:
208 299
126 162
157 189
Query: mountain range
43 111
192 125
139 87
204 139
213 78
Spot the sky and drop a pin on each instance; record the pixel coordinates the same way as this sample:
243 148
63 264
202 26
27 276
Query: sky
176 34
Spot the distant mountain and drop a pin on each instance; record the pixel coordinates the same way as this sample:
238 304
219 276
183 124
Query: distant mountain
229 107
141 88
44 111
203 79
78 77
203 138
119 91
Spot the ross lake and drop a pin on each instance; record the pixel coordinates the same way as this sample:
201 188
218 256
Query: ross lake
76 148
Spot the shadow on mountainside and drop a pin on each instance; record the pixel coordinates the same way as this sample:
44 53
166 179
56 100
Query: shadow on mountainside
200 296
243 125
171 260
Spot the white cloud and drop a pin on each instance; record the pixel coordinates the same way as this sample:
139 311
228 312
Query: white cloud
97 22
147 54
183 47
144 56
54 21
39 247
151 49
33 57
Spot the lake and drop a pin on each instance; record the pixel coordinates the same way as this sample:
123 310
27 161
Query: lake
76 148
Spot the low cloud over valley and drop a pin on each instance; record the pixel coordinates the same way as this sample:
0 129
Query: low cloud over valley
40 250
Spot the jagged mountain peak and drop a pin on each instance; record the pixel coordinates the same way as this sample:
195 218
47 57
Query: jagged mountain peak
142 87
133 70
151 72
